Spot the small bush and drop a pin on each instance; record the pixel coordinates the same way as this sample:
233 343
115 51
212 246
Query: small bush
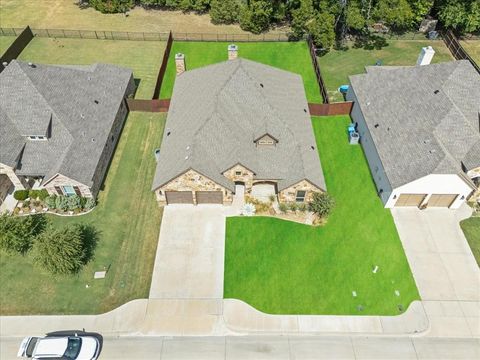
283 207
321 204
61 203
83 201
302 207
33 194
20 195
43 194
26 204
50 201
90 203
293 206
272 198
73 202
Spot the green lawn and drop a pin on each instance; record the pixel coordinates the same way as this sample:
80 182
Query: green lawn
128 219
337 65
471 229
282 267
143 57
5 42
473 49
291 56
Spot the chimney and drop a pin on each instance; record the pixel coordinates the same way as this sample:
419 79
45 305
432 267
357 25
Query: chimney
232 51
180 63
426 55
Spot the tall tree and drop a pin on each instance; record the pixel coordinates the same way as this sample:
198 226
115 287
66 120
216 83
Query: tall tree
300 17
17 233
255 16
224 11
394 13
322 29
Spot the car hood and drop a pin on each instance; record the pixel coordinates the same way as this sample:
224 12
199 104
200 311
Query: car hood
89 348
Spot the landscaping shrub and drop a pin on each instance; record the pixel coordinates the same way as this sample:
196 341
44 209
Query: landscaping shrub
83 201
292 206
224 11
42 195
272 198
20 195
321 204
255 17
302 207
26 204
73 202
33 194
90 203
61 203
64 250
17 233
111 6
50 201
283 207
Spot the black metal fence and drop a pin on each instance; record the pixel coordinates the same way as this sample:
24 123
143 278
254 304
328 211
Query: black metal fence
147 36
457 49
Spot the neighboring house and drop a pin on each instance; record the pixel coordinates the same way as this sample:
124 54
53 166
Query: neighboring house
237 123
60 124
420 131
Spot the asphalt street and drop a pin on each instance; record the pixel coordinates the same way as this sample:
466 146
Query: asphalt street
278 348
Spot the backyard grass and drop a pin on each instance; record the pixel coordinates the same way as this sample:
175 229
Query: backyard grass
65 14
5 42
290 56
337 65
128 219
473 49
471 229
143 57
281 267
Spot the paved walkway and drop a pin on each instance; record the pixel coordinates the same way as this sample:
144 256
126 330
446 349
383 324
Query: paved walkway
446 273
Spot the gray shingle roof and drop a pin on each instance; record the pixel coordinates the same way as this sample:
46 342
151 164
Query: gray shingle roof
217 112
427 116
32 99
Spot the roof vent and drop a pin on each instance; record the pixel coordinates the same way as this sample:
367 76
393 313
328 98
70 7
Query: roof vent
95 101
5 64
186 157
188 147
304 110
432 151
261 85
82 116
376 126
436 92
168 133
93 139
32 65
312 147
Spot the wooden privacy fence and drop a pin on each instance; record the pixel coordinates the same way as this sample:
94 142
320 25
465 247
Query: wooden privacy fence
318 74
340 108
163 67
154 105
22 40
457 49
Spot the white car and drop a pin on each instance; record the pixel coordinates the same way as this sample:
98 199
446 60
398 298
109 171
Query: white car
71 347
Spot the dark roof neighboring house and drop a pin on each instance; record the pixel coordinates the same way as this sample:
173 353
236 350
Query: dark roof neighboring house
423 119
218 111
74 106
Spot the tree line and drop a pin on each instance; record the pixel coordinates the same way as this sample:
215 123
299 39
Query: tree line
324 20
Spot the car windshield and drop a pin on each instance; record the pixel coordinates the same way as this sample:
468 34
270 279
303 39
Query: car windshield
73 348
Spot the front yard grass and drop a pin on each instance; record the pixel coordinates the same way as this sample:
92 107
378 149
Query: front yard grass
337 65
281 267
290 56
128 219
471 229
5 42
143 57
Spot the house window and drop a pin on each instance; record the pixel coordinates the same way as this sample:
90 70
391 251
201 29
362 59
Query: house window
300 196
238 173
68 190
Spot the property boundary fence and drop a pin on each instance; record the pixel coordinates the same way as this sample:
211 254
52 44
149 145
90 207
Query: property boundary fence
340 108
22 40
318 74
154 105
148 36
163 67
457 49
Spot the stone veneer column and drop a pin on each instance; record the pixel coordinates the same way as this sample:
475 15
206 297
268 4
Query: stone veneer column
232 51
180 63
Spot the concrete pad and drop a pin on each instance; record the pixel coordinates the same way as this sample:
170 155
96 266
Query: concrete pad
257 348
449 326
443 308
383 348
458 349
194 348
462 270
127 348
321 348
412 321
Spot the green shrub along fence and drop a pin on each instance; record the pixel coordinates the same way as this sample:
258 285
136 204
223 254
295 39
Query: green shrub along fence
22 40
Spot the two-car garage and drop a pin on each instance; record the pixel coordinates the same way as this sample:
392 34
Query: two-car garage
187 197
435 200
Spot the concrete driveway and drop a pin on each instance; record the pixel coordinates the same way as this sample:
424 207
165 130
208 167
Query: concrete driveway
446 273
190 256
